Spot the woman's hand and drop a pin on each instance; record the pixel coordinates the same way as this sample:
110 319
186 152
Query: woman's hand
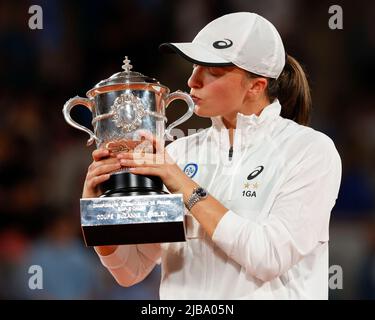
156 164
208 212
98 172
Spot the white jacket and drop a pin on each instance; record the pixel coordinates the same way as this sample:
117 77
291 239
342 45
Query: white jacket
280 187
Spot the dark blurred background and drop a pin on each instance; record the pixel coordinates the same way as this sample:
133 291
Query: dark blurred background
43 161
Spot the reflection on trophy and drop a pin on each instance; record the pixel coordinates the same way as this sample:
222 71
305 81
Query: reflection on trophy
133 208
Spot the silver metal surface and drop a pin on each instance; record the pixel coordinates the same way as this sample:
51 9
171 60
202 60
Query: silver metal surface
132 210
125 104
127 66
66 111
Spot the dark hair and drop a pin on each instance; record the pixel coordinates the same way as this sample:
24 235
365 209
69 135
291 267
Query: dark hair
293 91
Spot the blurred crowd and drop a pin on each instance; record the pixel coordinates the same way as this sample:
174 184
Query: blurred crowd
43 161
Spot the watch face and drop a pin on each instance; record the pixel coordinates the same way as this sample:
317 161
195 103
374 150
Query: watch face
201 192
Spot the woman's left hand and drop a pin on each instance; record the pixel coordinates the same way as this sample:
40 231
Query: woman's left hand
156 164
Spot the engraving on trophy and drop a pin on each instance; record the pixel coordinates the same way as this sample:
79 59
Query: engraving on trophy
118 146
139 146
157 208
128 112
133 219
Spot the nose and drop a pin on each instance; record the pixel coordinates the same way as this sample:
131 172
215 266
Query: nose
195 80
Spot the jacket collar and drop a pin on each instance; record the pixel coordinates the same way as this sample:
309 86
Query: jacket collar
269 113
250 129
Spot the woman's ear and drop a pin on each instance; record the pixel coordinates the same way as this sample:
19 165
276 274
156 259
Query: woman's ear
257 86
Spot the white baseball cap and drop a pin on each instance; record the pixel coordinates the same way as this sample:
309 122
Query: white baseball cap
244 39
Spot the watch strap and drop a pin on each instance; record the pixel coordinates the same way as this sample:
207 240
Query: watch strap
196 197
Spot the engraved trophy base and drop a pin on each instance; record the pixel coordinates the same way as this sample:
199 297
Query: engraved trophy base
134 210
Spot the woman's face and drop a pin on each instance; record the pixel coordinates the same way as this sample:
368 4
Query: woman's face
218 91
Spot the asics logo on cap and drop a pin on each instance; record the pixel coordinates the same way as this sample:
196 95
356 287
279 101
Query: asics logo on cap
223 44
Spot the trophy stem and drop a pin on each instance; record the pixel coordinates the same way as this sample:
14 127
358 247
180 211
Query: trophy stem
128 184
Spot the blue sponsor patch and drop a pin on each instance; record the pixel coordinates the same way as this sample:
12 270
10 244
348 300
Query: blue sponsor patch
191 169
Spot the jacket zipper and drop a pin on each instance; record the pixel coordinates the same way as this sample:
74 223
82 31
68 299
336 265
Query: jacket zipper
230 155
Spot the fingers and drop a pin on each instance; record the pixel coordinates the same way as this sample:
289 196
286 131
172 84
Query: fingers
90 189
157 145
146 171
137 159
99 154
99 163
140 163
93 183
98 170
96 175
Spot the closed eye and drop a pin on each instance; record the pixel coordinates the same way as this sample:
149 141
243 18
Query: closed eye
217 71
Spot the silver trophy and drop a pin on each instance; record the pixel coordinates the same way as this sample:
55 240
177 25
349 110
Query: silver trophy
133 208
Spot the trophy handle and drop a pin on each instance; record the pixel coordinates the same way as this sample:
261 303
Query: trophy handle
179 95
68 106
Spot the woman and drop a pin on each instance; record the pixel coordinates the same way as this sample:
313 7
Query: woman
259 185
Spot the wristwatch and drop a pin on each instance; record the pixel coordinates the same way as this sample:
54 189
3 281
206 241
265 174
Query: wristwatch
198 194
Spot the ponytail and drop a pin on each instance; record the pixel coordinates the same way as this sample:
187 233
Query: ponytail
293 91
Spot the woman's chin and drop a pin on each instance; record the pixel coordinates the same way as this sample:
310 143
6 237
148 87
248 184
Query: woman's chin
202 112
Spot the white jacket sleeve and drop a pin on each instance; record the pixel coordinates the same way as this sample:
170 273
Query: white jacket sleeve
130 264
297 222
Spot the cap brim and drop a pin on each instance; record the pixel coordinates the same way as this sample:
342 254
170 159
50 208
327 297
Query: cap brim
195 54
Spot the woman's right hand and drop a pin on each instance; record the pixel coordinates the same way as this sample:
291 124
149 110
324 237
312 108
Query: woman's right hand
98 172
